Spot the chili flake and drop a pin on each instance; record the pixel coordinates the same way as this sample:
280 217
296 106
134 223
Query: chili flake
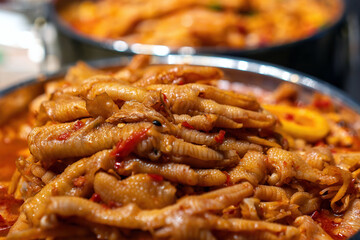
125 147
187 125
95 198
78 124
156 177
63 136
220 137
289 117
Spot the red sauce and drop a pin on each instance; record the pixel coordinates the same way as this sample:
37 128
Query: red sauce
187 125
327 221
156 177
9 211
9 152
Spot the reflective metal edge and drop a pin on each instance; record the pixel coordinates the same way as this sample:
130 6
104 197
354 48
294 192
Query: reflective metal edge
163 50
241 64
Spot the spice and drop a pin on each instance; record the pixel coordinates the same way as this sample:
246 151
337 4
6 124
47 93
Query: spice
156 177
125 147
220 137
187 125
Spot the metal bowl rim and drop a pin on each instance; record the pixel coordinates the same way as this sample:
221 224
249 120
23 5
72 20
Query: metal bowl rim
240 64
163 50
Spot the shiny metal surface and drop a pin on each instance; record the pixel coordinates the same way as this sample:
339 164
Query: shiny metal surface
163 50
242 70
324 54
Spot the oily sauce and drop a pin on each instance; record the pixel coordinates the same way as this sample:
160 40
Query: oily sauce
12 145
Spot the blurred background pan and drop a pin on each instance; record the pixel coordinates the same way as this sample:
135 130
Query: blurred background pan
324 54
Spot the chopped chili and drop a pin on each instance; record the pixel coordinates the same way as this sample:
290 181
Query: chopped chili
95 198
156 177
79 181
220 137
187 125
78 124
327 222
125 147
228 179
165 97
289 117
315 215
322 103
64 136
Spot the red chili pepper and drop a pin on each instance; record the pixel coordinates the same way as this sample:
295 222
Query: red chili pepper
78 124
187 125
95 198
228 179
124 148
156 177
289 117
165 97
4 229
63 136
322 103
220 137
315 215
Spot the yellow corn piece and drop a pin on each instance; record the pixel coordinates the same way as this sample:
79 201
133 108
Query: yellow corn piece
300 122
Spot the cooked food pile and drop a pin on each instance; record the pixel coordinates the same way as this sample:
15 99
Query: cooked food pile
223 23
160 152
